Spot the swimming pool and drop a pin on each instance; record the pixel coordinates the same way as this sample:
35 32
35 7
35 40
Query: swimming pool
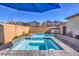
37 42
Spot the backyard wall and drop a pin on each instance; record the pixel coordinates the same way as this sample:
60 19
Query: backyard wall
8 31
41 29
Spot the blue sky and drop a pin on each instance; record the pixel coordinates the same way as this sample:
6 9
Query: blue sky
67 9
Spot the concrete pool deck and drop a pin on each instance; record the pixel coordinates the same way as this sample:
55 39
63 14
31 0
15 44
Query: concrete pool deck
70 41
34 53
66 47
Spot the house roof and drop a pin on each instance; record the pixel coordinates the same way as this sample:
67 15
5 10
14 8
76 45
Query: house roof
34 22
72 16
48 21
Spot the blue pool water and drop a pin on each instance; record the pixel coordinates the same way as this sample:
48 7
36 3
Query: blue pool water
37 42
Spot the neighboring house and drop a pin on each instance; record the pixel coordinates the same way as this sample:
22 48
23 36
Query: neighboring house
34 23
19 23
73 25
48 23
57 23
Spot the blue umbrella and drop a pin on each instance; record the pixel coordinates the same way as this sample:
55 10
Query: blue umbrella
32 7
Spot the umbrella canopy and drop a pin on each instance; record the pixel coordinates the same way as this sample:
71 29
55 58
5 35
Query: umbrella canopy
32 7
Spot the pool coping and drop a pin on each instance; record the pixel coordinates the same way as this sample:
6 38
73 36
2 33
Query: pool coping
65 47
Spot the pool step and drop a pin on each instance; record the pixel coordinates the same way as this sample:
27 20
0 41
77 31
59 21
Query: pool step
32 48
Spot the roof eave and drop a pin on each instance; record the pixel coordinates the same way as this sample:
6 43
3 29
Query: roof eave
72 16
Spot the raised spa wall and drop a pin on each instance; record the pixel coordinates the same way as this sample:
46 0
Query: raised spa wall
8 31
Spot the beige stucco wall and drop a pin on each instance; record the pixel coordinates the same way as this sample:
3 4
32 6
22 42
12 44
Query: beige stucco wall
11 31
73 25
41 29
